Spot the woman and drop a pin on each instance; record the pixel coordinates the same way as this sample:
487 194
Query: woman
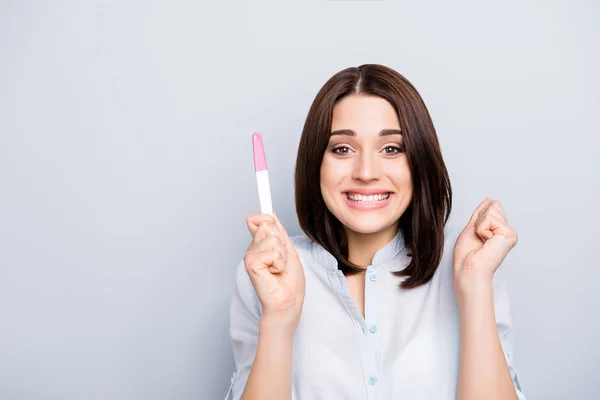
380 299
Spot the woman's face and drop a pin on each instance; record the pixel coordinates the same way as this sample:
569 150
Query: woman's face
365 178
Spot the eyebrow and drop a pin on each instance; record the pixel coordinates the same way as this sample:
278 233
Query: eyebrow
350 132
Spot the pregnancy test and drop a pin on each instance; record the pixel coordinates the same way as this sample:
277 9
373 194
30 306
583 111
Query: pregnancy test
262 174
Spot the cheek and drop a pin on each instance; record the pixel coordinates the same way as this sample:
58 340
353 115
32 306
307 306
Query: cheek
402 180
331 172
325 179
401 175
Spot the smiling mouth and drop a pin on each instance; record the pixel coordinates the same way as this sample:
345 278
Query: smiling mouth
370 199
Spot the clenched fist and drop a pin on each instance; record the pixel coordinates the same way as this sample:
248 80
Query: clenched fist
274 269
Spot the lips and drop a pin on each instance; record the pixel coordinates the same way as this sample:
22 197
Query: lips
367 192
369 202
369 198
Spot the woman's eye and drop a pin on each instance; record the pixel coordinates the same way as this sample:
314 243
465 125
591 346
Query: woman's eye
337 150
393 149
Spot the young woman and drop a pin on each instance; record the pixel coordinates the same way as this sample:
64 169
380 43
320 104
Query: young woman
379 299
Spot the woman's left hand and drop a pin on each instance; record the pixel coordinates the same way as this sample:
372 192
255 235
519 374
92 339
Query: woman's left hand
483 244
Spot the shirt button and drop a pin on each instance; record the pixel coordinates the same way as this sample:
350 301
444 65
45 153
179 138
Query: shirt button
373 277
372 380
373 328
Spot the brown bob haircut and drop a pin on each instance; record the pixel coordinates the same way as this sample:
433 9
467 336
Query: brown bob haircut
423 222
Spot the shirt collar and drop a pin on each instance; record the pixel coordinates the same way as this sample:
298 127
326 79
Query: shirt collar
387 253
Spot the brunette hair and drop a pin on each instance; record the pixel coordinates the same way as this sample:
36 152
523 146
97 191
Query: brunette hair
422 224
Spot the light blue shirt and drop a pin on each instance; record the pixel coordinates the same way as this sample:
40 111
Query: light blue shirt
406 347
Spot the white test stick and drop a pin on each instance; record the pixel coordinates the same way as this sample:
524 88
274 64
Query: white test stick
262 174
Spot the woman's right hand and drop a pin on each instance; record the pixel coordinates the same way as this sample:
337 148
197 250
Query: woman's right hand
274 269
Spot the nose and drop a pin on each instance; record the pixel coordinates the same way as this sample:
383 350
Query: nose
366 168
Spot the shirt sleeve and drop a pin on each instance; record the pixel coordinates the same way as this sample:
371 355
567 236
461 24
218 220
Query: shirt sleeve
505 329
244 317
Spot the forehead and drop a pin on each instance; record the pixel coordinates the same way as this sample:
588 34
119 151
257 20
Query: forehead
366 115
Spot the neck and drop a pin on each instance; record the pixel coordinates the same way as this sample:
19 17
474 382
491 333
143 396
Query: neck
363 246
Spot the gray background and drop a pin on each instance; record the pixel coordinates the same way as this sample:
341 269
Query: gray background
126 172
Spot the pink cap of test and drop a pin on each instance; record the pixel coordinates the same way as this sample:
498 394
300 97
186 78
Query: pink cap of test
260 162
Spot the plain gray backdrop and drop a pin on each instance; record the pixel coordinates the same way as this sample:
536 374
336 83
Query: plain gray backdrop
126 172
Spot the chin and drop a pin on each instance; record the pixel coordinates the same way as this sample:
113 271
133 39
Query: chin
366 225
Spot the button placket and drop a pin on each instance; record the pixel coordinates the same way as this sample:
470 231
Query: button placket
371 337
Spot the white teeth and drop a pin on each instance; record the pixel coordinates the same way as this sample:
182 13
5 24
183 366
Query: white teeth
359 198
